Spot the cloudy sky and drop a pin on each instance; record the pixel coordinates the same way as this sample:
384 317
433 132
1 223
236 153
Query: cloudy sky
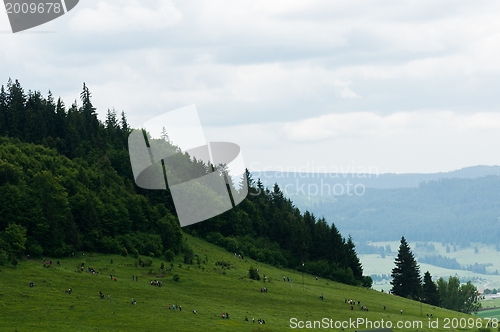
305 85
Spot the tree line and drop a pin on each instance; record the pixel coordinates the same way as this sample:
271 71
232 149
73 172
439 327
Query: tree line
66 184
450 294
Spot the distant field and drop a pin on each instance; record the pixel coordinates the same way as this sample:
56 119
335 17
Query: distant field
210 290
491 302
493 313
374 264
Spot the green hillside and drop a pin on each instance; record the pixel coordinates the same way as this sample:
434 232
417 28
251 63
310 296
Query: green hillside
209 289
66 185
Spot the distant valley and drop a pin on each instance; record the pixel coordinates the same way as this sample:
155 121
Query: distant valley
456 207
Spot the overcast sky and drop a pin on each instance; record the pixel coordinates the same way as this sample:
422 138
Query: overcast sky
305 85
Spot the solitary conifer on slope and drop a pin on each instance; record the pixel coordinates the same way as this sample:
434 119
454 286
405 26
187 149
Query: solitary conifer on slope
406 275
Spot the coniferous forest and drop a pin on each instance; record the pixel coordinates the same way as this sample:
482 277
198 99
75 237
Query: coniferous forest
66 184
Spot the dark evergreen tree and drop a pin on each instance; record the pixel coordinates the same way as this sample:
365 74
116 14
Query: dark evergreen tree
352 259
430 293
406 275
3 111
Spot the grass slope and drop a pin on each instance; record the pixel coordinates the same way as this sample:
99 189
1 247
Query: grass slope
210 290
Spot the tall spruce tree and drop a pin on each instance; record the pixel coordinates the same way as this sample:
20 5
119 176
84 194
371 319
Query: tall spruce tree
406 275
430 293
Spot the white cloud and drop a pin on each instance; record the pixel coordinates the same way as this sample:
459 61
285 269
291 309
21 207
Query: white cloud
275 71
123 16
366 124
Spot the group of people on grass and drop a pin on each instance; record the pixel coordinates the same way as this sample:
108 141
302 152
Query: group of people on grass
156 283
91 270
174 307
352 303
260 321
239 256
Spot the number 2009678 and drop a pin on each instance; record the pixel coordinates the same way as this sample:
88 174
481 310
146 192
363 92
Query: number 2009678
25 7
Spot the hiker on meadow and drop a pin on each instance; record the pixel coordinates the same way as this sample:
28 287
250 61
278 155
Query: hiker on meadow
180 308
227 315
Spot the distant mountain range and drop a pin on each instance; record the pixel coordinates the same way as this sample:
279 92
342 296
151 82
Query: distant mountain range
458 207
381 181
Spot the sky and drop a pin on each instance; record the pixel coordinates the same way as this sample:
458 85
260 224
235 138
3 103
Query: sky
350 86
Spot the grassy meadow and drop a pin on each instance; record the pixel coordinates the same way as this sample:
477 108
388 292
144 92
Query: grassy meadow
210 290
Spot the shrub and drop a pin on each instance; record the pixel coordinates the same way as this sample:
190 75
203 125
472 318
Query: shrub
13 260
231 244
145 262
4 258
253 274
176 278
367 281
169 255
188 254
34 249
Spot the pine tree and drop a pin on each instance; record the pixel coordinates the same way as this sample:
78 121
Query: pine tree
3 111
430 293
90 121
353 260
124 123
406 275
